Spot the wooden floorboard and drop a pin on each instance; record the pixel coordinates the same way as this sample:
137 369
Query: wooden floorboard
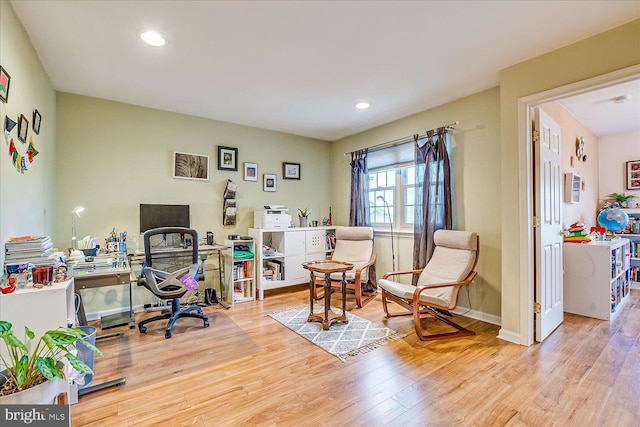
246 369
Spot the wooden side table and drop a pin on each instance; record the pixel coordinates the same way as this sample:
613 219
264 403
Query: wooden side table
327 268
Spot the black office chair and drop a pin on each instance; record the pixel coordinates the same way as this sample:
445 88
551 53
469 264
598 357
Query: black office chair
166 285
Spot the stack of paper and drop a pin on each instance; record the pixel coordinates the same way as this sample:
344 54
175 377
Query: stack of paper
29 249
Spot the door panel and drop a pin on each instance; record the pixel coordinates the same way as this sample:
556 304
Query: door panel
548 236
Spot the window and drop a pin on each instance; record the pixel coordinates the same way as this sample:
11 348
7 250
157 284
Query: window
396 186
392 179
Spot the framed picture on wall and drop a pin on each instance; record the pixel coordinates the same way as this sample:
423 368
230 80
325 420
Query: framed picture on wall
23 128
269 182
227 158
290 170
190 166
250 171
633 175
5 79
37 119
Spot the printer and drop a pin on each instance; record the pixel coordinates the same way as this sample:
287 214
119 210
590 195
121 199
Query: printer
271 216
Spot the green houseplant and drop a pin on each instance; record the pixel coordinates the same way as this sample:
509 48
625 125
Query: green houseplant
24 370
303 215
622 199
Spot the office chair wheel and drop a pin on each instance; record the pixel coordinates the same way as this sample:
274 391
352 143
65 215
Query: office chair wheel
142 329
206 323
167 334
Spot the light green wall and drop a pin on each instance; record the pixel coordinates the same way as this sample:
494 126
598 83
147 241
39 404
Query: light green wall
606 52
27 201
476 186
114 156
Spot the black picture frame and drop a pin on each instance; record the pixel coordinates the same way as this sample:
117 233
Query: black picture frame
23 128
227 158
5 81
37 119
290 170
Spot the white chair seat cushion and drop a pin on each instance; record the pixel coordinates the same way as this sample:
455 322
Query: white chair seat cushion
448 264
403 291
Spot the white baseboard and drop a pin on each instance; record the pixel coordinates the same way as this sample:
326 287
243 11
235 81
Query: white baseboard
478 315
96 315
510 336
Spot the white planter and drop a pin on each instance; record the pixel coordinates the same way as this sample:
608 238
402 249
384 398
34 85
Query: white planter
42 394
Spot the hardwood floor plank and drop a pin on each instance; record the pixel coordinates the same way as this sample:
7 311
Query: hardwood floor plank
249 370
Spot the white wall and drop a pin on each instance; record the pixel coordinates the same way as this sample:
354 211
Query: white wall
615 151
27 200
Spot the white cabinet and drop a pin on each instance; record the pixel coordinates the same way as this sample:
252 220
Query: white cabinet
239 267
281 265
634 236
596 278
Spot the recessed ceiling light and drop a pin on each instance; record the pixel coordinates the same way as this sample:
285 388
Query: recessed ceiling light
621 99
363 105
152 38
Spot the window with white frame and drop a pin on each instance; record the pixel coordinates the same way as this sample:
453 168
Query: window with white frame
392 188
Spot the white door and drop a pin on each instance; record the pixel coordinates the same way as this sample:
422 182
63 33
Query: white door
548 237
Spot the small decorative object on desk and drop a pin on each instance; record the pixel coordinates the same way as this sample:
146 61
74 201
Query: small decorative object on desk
303 216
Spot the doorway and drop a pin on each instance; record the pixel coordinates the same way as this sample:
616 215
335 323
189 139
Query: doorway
525 131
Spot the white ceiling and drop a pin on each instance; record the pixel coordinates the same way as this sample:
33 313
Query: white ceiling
299 66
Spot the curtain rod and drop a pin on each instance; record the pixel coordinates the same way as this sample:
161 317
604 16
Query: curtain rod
403 140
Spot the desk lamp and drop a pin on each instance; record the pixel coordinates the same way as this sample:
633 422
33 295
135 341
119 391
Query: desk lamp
74 212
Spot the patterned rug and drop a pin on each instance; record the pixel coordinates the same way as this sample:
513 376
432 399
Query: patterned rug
342 340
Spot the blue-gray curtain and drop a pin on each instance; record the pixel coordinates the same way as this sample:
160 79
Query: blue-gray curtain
359 210
433 194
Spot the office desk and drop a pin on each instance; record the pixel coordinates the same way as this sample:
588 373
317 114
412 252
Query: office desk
89 275
169 252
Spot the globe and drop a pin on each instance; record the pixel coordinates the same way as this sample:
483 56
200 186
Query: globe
613 219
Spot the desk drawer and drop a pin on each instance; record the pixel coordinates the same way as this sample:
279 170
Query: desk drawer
99 281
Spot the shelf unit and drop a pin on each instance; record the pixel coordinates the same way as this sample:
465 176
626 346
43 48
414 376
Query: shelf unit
239 271
596 277
292 247
633 235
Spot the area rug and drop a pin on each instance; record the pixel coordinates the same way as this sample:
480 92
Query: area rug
342 340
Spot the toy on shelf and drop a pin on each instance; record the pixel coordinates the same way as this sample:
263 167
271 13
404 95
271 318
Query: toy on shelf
577 234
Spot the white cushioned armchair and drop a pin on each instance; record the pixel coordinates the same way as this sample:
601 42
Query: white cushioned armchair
354 245
450 268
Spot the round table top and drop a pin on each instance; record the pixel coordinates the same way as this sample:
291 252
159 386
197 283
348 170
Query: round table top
327 266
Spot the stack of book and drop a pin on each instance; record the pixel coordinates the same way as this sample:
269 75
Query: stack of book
34 250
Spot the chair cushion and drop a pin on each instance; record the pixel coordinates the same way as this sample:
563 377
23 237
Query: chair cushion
452 261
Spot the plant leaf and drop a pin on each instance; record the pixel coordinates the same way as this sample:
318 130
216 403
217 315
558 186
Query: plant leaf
29 333
5 326
78 364
46 366
21 370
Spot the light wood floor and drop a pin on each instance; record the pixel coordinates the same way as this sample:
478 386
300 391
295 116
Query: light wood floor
247 369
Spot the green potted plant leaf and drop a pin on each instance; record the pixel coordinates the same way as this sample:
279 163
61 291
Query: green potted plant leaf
303 215
622 199
25 371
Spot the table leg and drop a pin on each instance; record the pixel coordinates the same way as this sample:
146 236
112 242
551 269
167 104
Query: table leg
311 289
344 293
327 301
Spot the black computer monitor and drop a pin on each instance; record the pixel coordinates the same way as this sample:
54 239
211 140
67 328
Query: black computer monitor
155 216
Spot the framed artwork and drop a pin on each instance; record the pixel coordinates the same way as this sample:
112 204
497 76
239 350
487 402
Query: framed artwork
37 119
633 175
290 170
227 158
190 166
250 171
269 182
23 128
5 80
